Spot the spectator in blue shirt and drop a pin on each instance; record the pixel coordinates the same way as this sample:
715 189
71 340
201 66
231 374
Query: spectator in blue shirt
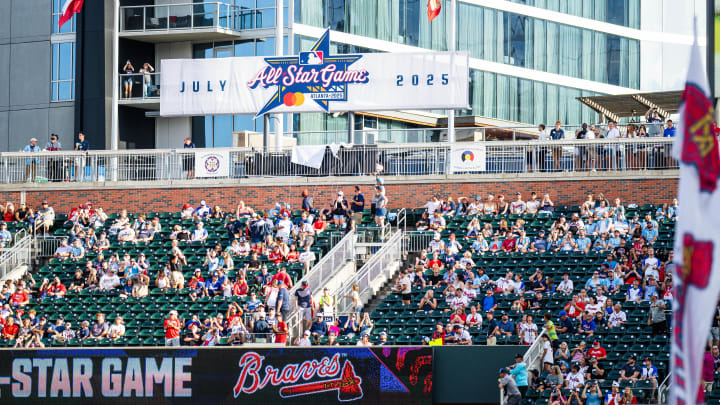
582 243
31 163
507 327
5 236
669 132
587 326
489 302
557 134
565 325
650 233
539 244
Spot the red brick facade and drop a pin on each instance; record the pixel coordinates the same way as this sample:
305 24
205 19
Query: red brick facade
567 192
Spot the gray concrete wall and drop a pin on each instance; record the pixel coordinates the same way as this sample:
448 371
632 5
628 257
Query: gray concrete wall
25 73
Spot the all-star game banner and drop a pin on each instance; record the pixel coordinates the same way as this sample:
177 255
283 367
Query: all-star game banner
314 81
355 375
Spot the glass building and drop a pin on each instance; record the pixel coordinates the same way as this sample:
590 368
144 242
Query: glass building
529 61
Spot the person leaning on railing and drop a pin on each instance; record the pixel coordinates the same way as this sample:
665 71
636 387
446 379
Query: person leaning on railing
31 164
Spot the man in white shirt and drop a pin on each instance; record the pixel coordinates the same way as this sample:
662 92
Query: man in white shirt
533 204
566 285
200 233
433 205
437 245
307 257
518 206
437 222
651 264
612 150
618 317
127 234
635 293
63 250
575 378
284 227
109 281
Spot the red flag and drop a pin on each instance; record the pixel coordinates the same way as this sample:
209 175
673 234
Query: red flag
697 241
69 8
433 9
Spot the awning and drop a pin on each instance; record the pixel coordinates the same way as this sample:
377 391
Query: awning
634 105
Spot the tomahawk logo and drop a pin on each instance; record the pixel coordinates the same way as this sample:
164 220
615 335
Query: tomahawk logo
347 384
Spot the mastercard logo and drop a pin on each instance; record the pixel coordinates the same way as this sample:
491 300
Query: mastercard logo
293 99
468 156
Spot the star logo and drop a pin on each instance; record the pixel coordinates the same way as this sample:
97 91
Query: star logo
314 76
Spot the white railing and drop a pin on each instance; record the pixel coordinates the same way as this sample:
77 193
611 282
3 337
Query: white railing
18 255
640 154
323 270
378 264
532 359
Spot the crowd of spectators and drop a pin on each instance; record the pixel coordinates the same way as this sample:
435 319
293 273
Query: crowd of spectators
251 261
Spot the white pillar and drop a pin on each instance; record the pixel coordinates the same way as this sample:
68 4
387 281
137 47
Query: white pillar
114 126
279 52
451 48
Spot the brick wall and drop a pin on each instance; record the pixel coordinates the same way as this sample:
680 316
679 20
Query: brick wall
567 192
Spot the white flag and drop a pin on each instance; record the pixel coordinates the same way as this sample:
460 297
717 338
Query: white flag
697 235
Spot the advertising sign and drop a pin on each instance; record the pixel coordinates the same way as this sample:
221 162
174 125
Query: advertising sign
355 375
314 81
212 163
468 158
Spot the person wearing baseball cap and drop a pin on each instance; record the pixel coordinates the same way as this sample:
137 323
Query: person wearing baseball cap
507 383
520 373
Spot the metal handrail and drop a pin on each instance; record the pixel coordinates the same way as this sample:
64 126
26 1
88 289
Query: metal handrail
321 272
390 252
16 256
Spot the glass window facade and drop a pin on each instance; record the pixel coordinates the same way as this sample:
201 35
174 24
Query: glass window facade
62 82
494 35
620 12
216 131
68 27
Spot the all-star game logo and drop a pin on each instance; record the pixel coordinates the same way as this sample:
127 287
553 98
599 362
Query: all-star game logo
311 76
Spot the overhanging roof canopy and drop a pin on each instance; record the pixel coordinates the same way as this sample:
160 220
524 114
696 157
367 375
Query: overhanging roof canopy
634 105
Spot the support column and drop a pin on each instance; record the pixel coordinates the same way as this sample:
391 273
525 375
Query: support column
266 129
351 127
279 10
451 47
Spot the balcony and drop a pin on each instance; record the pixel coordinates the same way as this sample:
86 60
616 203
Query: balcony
206 21
143 90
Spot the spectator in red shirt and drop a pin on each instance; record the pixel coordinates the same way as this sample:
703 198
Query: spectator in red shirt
234 311
240 288
435 262
10 330
282 275
276 256
56 289
597 351
20 298
575 307
510 243
172 329
439 332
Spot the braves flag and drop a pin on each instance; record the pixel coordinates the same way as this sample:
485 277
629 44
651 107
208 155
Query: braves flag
697 235
433 9
69 8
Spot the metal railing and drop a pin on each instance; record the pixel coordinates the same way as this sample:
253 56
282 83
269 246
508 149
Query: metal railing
396 159
415 241
532 359
368 273
183 16
368 135
45 246
139 86
323 270
18 255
